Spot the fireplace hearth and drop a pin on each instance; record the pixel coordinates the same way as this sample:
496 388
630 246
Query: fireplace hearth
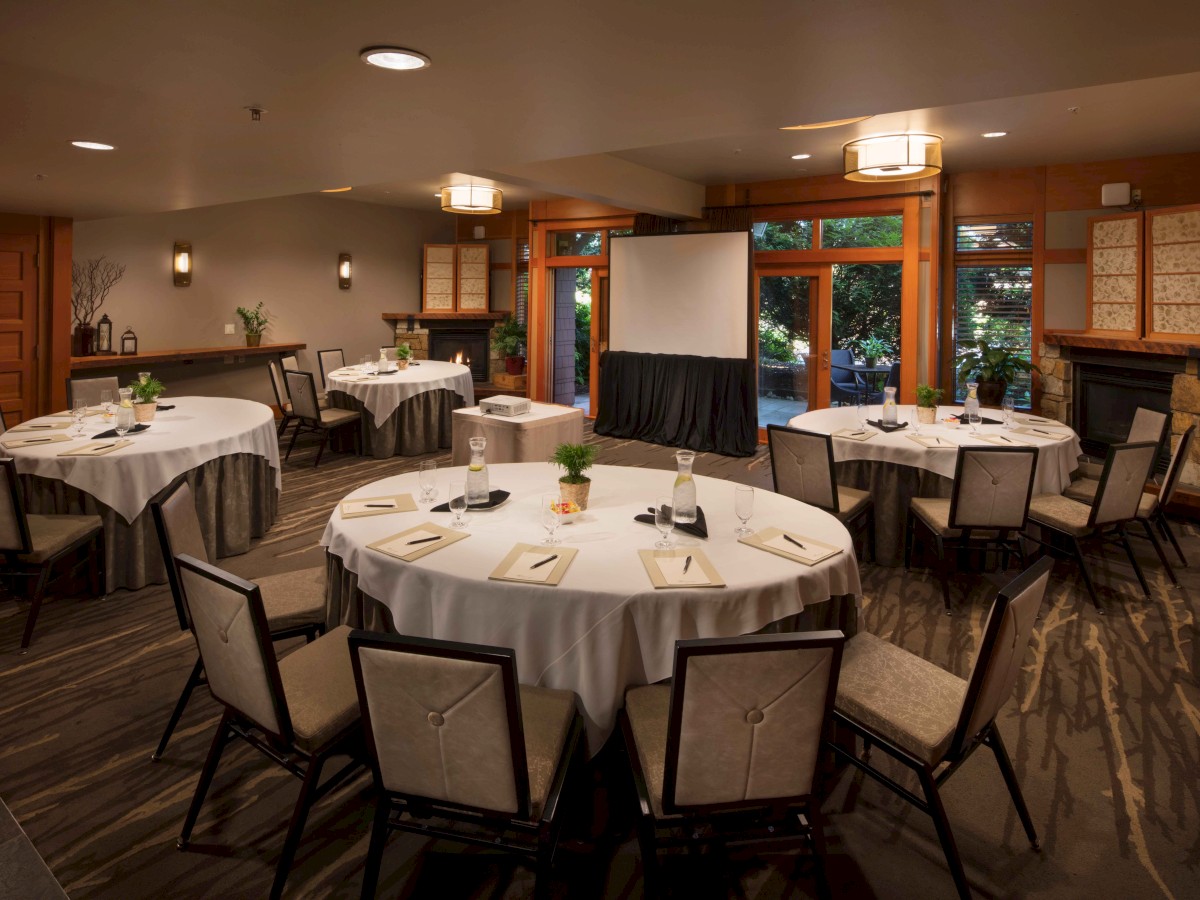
467 346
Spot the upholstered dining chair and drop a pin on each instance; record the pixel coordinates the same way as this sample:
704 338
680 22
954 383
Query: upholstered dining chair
299 711
987 508
931 720
3 424
802 468
389 353
845 385
35 545
311 418
1148 425
89 389
289 361
733 741
279 386
1117 498
293 602
330 361
451 734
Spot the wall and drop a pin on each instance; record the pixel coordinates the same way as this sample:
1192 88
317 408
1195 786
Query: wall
282 251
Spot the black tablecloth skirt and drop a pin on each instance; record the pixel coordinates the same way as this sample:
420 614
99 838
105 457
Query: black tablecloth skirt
699 402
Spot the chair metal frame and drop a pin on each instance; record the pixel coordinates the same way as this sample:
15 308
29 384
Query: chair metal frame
284 403
962 745
317 426
540 836
321 364
1158 518
279 747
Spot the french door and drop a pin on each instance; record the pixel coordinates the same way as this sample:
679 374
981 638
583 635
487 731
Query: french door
792 316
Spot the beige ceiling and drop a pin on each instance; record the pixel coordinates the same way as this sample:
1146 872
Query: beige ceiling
513 84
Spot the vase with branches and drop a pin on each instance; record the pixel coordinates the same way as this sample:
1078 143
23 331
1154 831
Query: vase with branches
91 281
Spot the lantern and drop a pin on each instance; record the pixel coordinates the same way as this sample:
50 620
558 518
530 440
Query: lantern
128 342
104 336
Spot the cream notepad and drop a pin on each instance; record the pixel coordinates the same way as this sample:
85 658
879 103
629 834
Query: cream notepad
932 442
1003 440
35 440
1044 433
92 411
521 564
360 378
665 568
401 547
1036 420
773 541
378 506
99 449
856 434
57 426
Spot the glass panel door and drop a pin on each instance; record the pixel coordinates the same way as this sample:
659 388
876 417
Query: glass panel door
786 356
865 330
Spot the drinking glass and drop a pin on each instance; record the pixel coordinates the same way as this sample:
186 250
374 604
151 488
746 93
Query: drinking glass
860 409
121 425
743 508
551 515
428 479
664 521
974 417
458 504
106 400
364 364
915 421
1009 408
79 413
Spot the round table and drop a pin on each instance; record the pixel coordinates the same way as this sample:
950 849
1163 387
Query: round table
405 412
604 627
227 448
895 468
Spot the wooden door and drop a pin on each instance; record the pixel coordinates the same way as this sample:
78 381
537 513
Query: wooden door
18 325
599 336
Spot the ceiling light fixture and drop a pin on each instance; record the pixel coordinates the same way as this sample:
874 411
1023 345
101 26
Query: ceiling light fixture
892 157
92 145
802 156
832 123
335 190
993 134
473 199
395 58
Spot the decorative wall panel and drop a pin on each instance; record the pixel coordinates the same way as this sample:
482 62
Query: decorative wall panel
1173 273
473 277
437 291
1114 256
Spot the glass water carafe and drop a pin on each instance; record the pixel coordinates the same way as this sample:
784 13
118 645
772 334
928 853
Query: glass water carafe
125 416
889 406
478 492
971 404
683 498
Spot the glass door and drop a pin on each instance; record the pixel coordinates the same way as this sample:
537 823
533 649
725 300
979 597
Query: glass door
790 360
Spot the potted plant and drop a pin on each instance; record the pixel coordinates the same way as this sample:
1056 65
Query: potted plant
574 459
403 356
927 400
508 339
993 367
255 323
146 391
873 348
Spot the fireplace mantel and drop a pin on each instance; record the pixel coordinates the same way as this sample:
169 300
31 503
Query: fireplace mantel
1126 345
439 316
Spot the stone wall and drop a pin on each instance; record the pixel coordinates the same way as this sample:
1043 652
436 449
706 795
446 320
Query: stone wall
418 339
1056 383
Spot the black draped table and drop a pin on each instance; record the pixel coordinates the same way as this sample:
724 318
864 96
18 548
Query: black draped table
703 403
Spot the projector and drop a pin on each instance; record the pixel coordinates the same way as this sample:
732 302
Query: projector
502 405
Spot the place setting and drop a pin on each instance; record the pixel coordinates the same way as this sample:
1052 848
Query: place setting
420 540
377 506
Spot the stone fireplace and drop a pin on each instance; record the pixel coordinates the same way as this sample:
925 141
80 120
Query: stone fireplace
444 335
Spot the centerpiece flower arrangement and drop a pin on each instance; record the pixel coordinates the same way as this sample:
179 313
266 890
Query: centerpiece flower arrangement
146 391
574 459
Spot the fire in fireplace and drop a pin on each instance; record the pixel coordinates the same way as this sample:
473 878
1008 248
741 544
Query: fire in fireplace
468 347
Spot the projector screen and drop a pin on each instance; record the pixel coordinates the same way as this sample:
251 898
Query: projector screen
680 293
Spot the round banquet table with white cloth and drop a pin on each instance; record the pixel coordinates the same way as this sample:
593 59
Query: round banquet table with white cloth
894 468
227 448
605 627
404 413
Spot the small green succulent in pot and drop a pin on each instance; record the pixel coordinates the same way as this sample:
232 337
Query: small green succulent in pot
927 400
404 351
994 367
574 459
254 322
145 392
873 349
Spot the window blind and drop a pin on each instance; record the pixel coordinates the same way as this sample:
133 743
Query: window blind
1005 236
994 303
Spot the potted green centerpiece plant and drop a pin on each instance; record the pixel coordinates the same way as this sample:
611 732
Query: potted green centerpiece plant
146 391
993 367
403 356
574 459
508 339
254 321
873 348
927 400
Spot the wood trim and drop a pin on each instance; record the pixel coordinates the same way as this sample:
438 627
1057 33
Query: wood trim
158 357
1097 341
933 257
1037 298
1060 256
817 210
947 375
910 299
1139 251
1148 245
576 262
466 316
833 255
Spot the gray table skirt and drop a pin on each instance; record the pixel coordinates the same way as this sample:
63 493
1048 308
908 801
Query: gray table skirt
236 500
421 424
891 485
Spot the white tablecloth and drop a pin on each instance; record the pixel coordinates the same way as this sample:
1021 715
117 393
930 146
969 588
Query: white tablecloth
605 627
197 430
1056 459
382 395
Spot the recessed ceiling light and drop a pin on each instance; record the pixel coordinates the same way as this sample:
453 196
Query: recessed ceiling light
991 134
92 145
802 156
832 123
396 58
336 190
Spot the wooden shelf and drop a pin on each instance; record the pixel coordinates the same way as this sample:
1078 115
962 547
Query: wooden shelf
1129 345
158 357
463 316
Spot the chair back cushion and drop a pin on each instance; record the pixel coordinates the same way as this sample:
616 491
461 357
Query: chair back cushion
303 392
802 466
329 360
893 376
443 720
1001 653
1122 482
277 384
290 362
3 424
1175 468
1148 425
747 717
89 389
179 532
235 644
841 357
14 532
842 377
992 486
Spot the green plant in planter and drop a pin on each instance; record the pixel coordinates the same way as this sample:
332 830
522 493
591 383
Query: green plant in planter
575 459
873 348
146 391
993 367
254 321
928 397
403 351
509 337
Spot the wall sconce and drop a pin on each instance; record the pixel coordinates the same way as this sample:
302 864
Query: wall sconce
182 264
344 271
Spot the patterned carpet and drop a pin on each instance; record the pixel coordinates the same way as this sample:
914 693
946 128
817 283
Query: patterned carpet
1104 731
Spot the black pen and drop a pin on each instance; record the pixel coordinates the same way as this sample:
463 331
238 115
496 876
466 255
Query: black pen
1047 433
381 505
37 441
687 562
436 537
101 447
1003 438
792 540
544 561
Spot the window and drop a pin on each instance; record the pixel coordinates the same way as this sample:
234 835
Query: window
994 236
619 232
863 231
521 283
575 243
793 235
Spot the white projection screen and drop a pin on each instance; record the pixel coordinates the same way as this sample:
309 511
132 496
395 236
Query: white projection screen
685 294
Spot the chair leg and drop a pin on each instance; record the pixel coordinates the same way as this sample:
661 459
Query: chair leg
1014 788
650 874
296 828
206 777
100 567
817 835
180 706
292 442
379 836
908 540
35 606
1165 526
942 573
1087 579
1137 570
945 835
321 449
1158 548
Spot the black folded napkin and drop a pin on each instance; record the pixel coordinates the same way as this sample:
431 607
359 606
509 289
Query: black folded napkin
879 423
962 420
495 498
112 432
699 528
163 407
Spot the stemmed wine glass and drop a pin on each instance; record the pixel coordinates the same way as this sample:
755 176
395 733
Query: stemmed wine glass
974 417
106 400
551 516
1009 408
78 414
743 508
664 521
428 479
458 504
860 409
